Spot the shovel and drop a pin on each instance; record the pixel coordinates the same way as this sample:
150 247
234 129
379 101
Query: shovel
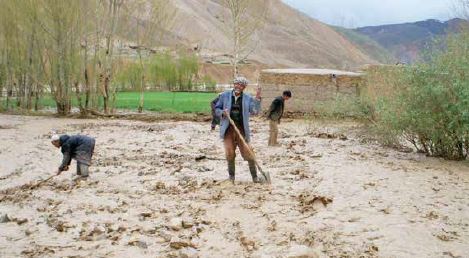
36 185
251 152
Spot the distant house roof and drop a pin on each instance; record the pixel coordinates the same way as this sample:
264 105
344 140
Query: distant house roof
311 72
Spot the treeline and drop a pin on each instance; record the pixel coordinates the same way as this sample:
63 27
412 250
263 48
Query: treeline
164 71
77 49
61 48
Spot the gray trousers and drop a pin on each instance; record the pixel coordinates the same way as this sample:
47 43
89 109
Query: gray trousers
82 169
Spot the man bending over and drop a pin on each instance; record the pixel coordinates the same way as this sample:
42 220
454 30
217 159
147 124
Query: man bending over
78 147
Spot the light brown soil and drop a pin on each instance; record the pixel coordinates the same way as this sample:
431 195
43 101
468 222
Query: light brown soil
148 197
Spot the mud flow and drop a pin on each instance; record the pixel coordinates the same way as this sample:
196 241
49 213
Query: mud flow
159 190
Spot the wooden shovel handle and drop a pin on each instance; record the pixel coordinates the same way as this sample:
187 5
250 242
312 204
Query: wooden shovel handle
241 137
41 182
251 152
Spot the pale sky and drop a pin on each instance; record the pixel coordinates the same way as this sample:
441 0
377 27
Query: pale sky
359 13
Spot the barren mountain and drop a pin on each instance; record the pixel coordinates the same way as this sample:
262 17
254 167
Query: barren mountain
288 39
407 41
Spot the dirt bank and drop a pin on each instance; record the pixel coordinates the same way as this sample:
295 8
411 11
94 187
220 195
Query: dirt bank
147 196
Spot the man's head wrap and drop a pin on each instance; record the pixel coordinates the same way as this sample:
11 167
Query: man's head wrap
241 80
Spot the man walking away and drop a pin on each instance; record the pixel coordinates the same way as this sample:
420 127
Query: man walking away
239 106
78 147
215 118
275 114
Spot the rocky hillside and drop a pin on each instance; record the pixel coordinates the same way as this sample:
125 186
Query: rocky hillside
407 41
368 45
289 38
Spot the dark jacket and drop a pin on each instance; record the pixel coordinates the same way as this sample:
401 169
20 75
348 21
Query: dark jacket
79 147
214 103
215 119
276 109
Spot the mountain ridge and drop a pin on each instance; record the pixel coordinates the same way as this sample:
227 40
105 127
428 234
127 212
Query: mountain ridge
407 41
289 39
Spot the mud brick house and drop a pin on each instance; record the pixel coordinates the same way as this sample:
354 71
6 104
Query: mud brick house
307 85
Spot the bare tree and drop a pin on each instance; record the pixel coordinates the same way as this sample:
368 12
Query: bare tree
73 48
18 36
60 25
87 36
245 19
9 58
112 12
152 19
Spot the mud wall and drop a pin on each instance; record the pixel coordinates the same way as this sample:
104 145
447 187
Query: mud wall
306 88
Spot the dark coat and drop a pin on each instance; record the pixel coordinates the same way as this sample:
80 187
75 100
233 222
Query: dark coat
276 109
79 147
215 118
214 103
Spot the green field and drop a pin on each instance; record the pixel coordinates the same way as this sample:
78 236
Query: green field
168 102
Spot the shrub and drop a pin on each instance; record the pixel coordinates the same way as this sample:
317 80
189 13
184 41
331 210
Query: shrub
210 83
428 103
128 77
173 73
163 71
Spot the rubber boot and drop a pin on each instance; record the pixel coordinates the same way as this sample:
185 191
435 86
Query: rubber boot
82 170
253 170
231 170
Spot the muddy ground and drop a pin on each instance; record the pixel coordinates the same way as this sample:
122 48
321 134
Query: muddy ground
333 194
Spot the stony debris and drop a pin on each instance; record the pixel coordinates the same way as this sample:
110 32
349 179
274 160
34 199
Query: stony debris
451 254
59 225
301 251
4 218
248 244
187 223
310 202
7 127
178 243
188 252
145 215
175 224
165 235
138 243
147 196
94 234
447 235
324 135
272 226
38 251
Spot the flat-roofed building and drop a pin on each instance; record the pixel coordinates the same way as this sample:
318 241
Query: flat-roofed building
307 86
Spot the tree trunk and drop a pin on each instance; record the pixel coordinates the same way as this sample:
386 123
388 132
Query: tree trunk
235 69
79 100
142 83
113 16
29 80
30 99
62 109
7 103
113 101
141 103
106 94
87 90
36 99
